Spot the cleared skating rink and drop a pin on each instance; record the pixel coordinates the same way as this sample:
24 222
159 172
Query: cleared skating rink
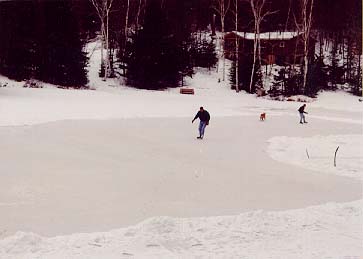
95 175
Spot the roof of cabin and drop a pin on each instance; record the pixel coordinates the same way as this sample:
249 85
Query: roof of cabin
268 35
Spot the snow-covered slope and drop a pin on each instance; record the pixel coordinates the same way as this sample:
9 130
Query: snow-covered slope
19 106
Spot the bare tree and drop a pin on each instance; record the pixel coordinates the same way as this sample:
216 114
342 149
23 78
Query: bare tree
235 12
306 11
103 8
126 27
257 7
288 16
139 8
222 8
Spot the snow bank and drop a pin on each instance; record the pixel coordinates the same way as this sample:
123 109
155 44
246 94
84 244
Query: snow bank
338 100
327 231
20 106
317 153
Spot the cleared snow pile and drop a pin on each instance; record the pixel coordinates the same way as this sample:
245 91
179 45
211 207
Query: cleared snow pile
317 153
327 231
338 100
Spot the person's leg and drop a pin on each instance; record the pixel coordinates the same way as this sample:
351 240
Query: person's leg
200 128
203 129
301 117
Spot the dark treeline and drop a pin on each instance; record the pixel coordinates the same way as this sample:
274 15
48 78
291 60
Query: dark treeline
337 28
41 40
164 39
334 16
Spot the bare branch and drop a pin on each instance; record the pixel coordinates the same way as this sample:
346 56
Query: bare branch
268 13
288 15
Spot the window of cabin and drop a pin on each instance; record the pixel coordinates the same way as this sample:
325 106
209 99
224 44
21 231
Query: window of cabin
282 44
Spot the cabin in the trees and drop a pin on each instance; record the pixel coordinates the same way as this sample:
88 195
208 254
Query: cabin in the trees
281 48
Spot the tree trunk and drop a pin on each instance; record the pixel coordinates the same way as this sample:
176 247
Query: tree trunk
237 66
107 65
259 44
223 54
288 15
259 48
123 49
237 46
254 59
102 44
359 75
349 60
126 23
320 45
103 8
213 25
307 26
138 15
259 15
222 10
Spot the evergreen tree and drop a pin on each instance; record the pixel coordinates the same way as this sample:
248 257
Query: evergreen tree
317 78
244 71
40 40
63 61
356 80
157 59
288 82
18 46
204 53
312 85
335 72
280 82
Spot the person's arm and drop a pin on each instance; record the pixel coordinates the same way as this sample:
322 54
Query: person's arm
195 117
208 118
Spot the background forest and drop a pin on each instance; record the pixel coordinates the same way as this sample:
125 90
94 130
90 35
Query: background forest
154 44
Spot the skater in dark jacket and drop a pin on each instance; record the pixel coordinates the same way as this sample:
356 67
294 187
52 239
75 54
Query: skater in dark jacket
301 112
204 117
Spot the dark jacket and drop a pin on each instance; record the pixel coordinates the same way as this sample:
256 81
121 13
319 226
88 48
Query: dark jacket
203 116
301 109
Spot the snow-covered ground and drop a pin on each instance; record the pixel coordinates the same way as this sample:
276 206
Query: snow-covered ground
90 161
327 231
317 153
26 106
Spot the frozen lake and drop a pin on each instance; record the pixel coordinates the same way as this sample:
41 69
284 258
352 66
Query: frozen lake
95 175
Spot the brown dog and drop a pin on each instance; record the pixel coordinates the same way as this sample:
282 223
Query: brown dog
263 116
